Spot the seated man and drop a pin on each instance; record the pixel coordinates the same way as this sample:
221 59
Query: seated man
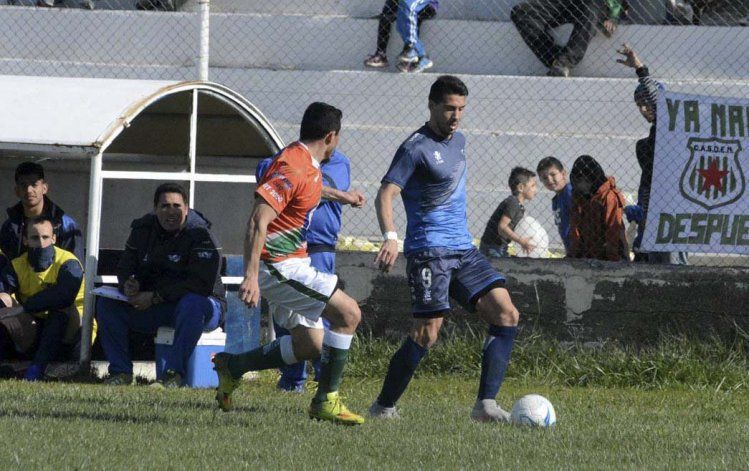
534 20
31 189
48 283
386 19
170 272
414 57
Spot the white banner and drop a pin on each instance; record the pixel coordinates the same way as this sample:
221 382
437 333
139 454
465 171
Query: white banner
698 201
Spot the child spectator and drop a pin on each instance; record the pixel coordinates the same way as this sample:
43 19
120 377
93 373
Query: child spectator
386 18
552 174
596 229
500 230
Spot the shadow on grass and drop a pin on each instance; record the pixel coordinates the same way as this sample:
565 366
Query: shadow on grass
242 416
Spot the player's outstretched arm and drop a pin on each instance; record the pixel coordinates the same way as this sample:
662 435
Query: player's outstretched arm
257 229
384 205
353 197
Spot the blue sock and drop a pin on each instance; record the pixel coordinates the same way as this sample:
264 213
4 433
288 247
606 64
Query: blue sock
496 357
402 367
35 372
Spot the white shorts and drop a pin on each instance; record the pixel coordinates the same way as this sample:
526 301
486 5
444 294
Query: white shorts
297 293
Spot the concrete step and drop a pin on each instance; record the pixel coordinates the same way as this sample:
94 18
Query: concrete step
340 43
641 11
490 10
498 105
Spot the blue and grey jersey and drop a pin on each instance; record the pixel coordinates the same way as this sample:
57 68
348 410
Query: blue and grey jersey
431 171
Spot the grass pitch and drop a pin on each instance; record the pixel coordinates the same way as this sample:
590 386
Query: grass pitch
64 426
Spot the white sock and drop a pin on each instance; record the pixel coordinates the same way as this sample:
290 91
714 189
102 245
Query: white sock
287 350
336 340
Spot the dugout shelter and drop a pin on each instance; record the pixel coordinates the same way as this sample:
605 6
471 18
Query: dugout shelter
107 143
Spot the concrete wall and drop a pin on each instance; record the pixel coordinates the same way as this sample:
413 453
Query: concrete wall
584 300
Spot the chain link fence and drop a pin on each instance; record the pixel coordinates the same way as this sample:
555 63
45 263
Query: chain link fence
543 79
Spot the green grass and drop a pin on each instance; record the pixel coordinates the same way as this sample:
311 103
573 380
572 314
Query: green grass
675 361
59 425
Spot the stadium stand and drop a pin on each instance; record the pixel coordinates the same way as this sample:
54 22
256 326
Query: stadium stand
516 115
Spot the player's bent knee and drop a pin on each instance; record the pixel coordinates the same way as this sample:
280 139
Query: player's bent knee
344 312
510 317
426 334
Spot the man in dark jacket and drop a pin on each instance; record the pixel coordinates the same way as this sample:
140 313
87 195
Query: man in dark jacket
534 20
170 272
31 189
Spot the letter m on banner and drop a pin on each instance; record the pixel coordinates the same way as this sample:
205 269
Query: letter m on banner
713 176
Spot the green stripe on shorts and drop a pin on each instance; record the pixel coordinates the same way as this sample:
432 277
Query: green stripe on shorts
301 287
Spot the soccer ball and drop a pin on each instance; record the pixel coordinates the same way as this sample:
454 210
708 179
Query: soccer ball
533 410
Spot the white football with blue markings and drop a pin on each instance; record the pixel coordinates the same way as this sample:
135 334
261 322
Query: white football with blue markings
533 410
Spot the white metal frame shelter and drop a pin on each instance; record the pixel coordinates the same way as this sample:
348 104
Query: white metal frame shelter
84 117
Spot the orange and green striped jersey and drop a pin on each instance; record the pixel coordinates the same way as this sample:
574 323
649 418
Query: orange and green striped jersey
292 186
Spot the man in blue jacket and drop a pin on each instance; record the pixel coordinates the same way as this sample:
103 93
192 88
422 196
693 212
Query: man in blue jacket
170 272
31 189
322 236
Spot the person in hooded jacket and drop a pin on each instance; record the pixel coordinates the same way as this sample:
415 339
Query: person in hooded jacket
646 98
31 189
596 226
170 272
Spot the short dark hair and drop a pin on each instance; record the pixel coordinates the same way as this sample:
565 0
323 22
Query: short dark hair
29 168
547 162
446 85
519 175
319 119
41 219
169 187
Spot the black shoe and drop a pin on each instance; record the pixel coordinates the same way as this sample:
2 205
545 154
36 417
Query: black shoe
558 71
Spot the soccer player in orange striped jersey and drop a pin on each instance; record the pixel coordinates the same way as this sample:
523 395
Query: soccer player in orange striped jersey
278 266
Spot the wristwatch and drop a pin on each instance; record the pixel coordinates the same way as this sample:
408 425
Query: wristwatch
390 235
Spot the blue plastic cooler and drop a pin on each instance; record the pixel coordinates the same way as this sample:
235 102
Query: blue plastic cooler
199 372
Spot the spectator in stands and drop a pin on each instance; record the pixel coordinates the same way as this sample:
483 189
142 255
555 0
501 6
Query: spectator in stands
160 5
500 230
48 283
87 4
596 226
552 174
31 189
386 19
535 18
170 272
414 57
646 98
322 235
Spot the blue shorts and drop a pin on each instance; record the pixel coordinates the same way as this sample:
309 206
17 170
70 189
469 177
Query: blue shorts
435 275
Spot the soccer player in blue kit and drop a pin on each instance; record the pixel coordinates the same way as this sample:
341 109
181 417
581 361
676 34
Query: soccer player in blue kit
322 235
429 172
